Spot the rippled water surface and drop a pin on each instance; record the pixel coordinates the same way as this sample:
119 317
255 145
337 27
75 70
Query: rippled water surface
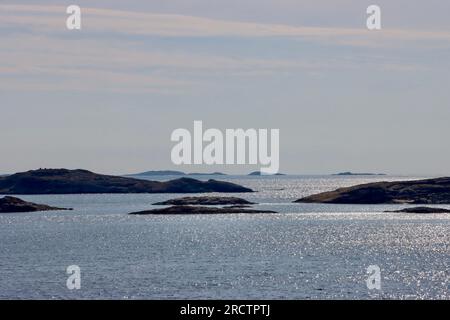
305 251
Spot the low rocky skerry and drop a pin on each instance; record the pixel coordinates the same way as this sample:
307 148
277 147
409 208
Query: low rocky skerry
421 210
187 210
206 200
428 191
64 181
12 205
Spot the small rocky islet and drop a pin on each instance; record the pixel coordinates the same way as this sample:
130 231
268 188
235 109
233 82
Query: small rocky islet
15 205
421 210
203 205
187 209
206 200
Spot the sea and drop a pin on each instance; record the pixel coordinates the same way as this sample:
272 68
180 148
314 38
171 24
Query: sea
305 251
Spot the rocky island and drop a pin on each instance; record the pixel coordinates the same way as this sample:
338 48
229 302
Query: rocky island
349 173
259 173
204 205
422 210
428 191
12 204
212 201
64 181
183 210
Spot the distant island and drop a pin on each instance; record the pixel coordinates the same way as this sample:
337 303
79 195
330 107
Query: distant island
429 191
181 173
421 210
64 181
175 173
159 173
348 173
206 174
259 173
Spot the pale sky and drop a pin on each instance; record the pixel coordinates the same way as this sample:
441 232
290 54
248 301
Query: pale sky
106 98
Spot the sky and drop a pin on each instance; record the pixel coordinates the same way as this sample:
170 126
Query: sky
107 97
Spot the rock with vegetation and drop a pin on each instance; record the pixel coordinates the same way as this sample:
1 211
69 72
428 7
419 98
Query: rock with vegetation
428 191
12 204
63 181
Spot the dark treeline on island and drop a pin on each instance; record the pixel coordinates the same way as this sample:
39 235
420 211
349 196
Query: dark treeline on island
64 181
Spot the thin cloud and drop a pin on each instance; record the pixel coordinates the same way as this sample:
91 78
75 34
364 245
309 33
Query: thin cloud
171 25
37 54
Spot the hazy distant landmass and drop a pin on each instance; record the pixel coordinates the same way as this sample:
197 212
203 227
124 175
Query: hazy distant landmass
206 174
64 181
348 173
258 173
181 173
175 173
159 173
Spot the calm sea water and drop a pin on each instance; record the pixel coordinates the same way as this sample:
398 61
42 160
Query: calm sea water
306 251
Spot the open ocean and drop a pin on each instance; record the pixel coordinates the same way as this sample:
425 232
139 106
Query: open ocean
307 251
